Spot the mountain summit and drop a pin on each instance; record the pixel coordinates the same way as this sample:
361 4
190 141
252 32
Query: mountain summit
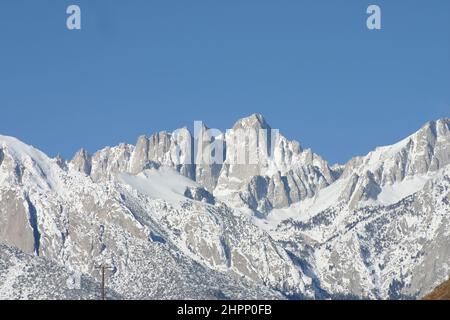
254 121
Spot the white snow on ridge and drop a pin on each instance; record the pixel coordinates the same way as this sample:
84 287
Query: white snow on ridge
329 196
391 194
304 210
376 158
45 172
163 184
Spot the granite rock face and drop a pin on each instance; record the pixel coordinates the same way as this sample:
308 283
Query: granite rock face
279 172
199 194
251 148
82 162
167 149
425 152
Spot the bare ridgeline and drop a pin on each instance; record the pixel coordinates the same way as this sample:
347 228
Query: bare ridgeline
242 214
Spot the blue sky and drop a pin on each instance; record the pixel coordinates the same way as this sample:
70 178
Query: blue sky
310 67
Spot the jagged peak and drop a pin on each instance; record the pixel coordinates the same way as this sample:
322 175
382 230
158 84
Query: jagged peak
58 157
81 153
254 121
183 129
162 133
442 121
437 128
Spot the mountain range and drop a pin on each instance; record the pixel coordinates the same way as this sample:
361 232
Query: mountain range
289 226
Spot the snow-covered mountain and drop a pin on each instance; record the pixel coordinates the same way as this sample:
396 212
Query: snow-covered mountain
171 226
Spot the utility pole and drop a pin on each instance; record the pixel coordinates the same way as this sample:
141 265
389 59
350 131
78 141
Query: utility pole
103 268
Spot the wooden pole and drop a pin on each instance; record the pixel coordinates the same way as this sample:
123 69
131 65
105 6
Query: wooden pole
103 267
103 283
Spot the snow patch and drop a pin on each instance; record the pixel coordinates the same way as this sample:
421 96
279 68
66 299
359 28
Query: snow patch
163 184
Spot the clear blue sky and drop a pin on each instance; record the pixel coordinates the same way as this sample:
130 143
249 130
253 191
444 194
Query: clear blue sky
139 66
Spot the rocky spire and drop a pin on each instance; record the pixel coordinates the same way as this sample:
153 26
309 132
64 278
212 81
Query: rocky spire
82 162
